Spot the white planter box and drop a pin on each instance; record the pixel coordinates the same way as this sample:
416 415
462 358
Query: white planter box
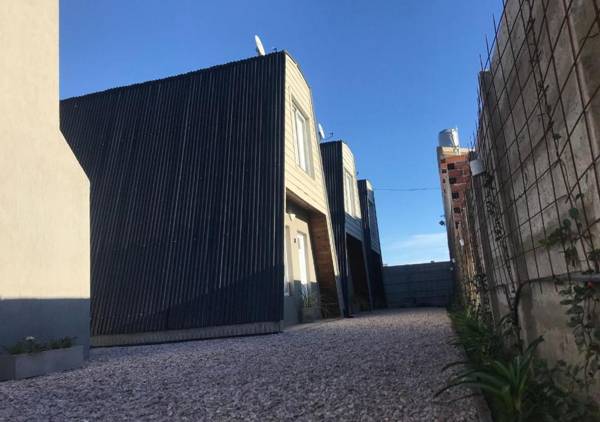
15 367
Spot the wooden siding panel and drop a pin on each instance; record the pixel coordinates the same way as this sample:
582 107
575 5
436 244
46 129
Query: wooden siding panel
187 196
331 153
337 158
369 213
309 188
353 221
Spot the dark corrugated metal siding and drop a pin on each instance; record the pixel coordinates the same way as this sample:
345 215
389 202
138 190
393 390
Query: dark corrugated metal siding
371 242
369 216
354 226
419 284
354 277
331 154
187 197
376 278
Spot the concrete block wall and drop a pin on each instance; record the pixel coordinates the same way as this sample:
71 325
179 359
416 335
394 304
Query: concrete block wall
430 284
538 137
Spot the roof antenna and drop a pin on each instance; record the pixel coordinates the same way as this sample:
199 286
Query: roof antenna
260 50
322 134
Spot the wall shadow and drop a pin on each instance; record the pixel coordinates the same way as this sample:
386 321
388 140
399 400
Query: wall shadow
45 319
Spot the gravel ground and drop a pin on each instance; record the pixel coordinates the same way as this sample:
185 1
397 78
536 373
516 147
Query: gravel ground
376 367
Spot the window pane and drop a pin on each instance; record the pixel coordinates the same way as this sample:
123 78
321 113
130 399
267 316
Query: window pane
346 192
301 140
352 197
349 202
350 194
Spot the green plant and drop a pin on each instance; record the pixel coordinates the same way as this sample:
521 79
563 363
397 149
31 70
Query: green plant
517 385
580 299
507 383
479 340
594 258
61 343
556 394
32 345
329 306
309 298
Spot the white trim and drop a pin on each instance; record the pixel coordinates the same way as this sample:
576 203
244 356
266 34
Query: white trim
302 139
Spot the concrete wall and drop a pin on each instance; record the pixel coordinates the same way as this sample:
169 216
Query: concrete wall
429 284
44 194
538 137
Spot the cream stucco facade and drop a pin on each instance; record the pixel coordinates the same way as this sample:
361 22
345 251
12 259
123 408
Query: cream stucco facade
44 193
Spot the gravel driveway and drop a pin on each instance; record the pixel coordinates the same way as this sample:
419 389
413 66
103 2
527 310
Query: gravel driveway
376 367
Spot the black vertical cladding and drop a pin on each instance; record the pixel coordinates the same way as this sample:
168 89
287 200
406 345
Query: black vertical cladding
186 197
372 245
333 169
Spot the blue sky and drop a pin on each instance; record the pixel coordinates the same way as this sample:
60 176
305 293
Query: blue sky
386 76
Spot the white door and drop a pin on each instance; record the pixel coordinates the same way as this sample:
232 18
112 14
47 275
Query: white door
302 264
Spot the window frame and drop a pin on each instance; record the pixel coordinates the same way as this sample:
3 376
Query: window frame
349 193
307 139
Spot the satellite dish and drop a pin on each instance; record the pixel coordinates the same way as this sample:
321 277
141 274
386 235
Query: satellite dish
477 167
321 132
260 50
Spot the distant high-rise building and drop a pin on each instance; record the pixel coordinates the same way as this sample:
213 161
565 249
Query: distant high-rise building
453 166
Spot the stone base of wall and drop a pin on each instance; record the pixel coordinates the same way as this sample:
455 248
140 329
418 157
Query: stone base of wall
27 365
541 314
45 319
190 334
429 284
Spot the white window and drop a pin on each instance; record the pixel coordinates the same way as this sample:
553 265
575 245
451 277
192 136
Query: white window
349 193
286 263
302 141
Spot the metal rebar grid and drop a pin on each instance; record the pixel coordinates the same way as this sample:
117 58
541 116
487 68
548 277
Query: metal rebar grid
538 135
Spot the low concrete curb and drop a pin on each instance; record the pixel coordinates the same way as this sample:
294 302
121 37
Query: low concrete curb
28 365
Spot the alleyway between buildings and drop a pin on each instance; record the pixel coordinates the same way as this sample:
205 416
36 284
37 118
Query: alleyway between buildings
380 366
